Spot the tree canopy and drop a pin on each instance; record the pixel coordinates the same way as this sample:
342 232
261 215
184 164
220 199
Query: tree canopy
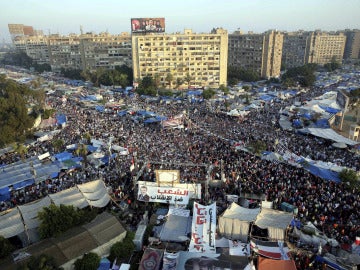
123 250
90 261
57 219
304 75
15 121
41 262
236 74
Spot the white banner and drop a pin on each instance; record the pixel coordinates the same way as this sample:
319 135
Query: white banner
169 195
194 189
237 248
203 229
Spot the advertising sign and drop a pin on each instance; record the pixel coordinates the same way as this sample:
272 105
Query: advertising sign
169 195
147 25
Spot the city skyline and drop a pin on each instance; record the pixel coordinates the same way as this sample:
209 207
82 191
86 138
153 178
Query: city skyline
65 17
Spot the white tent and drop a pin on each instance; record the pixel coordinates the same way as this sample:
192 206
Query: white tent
234 223
275 221
329 134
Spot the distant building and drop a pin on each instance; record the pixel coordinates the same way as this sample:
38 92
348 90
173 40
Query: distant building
352 46
294 49
202 56
257 52
17 30
324 47
87 51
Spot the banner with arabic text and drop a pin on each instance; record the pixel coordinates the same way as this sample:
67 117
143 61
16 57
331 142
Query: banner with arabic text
203 229
171 195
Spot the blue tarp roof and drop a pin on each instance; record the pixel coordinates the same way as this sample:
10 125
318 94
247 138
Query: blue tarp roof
99 108
195 93
329 109
306 115
63 156
91 148
323 173
122 113
322 123
267 97
329 263
61 119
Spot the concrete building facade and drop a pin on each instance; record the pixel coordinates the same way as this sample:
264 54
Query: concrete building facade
260 53
324 47
294 50
201 58
87 51
352 46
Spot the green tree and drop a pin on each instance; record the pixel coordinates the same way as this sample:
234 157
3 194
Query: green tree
157 80
169 78
90 261
188 79
5 247
15 122
41 262
82 151
123 250
178 82
20 149
124 69
208 93
54 220
257 147
349 176
58 144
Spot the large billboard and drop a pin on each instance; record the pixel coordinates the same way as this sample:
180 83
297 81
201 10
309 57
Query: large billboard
170 195
147 25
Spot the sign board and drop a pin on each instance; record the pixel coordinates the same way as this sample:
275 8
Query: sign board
170 195
147 25
167 177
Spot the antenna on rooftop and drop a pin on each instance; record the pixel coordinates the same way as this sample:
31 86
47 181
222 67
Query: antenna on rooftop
81 29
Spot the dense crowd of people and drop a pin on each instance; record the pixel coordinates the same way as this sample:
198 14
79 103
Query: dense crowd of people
207 139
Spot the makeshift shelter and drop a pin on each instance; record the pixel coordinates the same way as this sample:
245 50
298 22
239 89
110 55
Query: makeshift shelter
97 236
269 264
274 221
177 226
327 133
22 221
235 222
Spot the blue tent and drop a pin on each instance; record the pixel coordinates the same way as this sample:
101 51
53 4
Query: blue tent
61 119
104 264
99 108
297 123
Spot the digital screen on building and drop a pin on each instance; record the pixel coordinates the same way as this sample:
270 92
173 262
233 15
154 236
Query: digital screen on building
148 25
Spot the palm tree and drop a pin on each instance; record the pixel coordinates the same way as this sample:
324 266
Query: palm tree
178 82
157 80
169 78
188 79
20 149
58 144
82 151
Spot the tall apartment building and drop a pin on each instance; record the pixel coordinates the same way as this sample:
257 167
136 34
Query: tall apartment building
324 47
64 52
257 52
35 47
105 50
294 50
352 46
202 56
87 51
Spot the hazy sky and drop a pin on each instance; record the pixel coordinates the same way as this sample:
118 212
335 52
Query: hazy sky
66 16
